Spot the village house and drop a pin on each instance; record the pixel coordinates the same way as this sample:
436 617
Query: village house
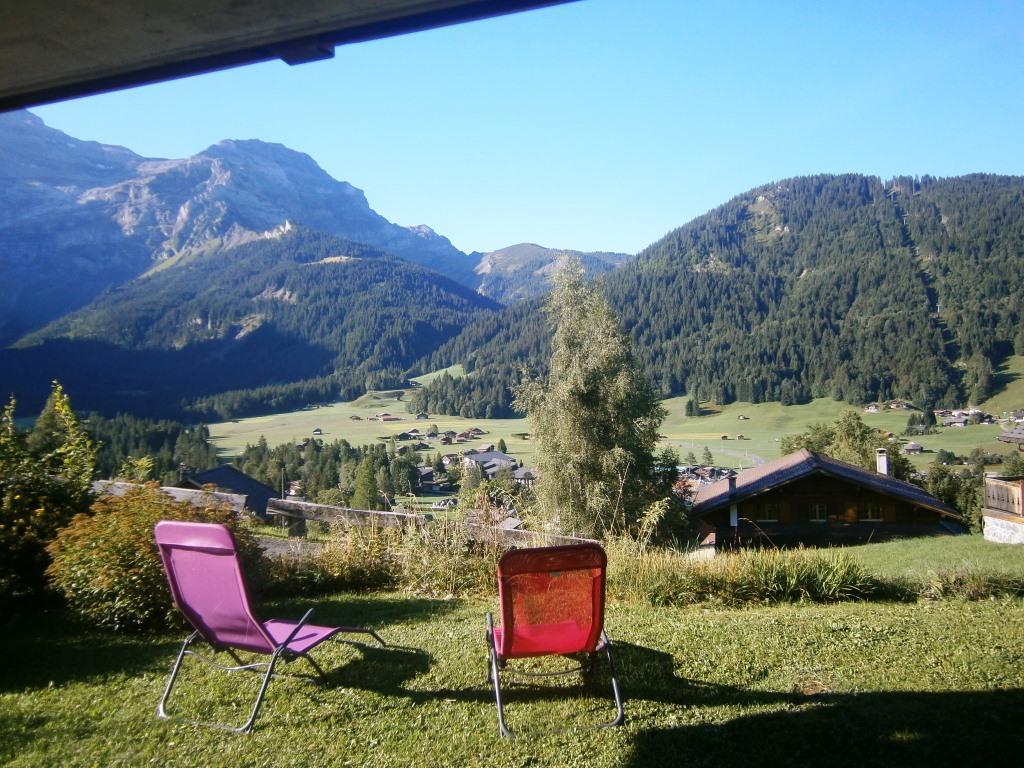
489 462
525 476
813 499
913 448
228 479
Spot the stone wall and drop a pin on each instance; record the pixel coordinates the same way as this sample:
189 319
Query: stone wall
1003 530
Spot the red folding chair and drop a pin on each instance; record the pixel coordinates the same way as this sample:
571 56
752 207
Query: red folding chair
552 603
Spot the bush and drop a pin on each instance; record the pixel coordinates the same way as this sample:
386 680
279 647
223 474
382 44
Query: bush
107 566
40 490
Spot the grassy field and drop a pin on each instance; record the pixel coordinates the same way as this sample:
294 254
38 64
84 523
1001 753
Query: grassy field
854 684
763 428
1010 382
337 423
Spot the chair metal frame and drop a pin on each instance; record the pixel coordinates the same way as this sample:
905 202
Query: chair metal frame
277 650
495 662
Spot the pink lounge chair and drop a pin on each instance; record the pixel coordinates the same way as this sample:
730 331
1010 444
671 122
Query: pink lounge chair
205 576
552 603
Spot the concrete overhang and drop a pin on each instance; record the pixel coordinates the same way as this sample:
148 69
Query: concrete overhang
61 49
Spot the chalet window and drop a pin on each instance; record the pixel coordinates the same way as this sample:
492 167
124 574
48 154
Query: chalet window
768 513
872 511
819 512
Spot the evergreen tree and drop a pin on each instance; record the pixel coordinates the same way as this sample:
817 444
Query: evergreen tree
501 445
706 459
596 416
365 493
849 439
690 459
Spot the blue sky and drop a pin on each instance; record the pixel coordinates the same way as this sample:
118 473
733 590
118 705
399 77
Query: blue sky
603 124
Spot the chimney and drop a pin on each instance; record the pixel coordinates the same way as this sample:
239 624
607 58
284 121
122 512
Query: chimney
732 483
881 461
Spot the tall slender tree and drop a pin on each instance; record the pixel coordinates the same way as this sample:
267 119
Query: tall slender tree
596 416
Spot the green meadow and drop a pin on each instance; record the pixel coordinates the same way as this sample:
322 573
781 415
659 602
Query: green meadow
732 440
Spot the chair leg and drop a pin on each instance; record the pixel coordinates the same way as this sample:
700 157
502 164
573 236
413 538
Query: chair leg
247 727
161 707
620 712
495 677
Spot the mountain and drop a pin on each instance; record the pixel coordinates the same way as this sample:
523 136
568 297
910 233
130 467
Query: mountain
78 217
294 317
526 270
843 286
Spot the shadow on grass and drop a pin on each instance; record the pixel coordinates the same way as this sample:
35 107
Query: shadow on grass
51 648
899 729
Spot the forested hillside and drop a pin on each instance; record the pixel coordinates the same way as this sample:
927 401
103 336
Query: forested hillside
841 286
289 320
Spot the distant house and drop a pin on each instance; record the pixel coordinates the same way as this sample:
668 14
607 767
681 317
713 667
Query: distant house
422 415
913 448
426 475
355 417
954 421
525 476
872 408
1013 436
404 436
490 462
317 431
808 498
228 479
741 417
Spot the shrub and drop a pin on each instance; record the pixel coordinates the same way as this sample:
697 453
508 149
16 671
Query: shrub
107 566
40 490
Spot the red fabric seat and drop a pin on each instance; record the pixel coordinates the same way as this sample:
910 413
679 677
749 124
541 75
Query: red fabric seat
552 604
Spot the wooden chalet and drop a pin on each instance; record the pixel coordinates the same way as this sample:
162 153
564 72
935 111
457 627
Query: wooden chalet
813 499
1013 437
231 480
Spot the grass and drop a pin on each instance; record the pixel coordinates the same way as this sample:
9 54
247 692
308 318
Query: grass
762 430
1010 384
916 558
865 684
335 421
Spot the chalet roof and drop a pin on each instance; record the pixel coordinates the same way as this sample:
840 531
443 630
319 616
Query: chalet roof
1015 435
803 463
236 481
488 457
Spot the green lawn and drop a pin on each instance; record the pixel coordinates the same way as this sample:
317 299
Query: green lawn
851 684
916 558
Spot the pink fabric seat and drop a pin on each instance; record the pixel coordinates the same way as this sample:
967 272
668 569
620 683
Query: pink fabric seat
205 577
308 637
